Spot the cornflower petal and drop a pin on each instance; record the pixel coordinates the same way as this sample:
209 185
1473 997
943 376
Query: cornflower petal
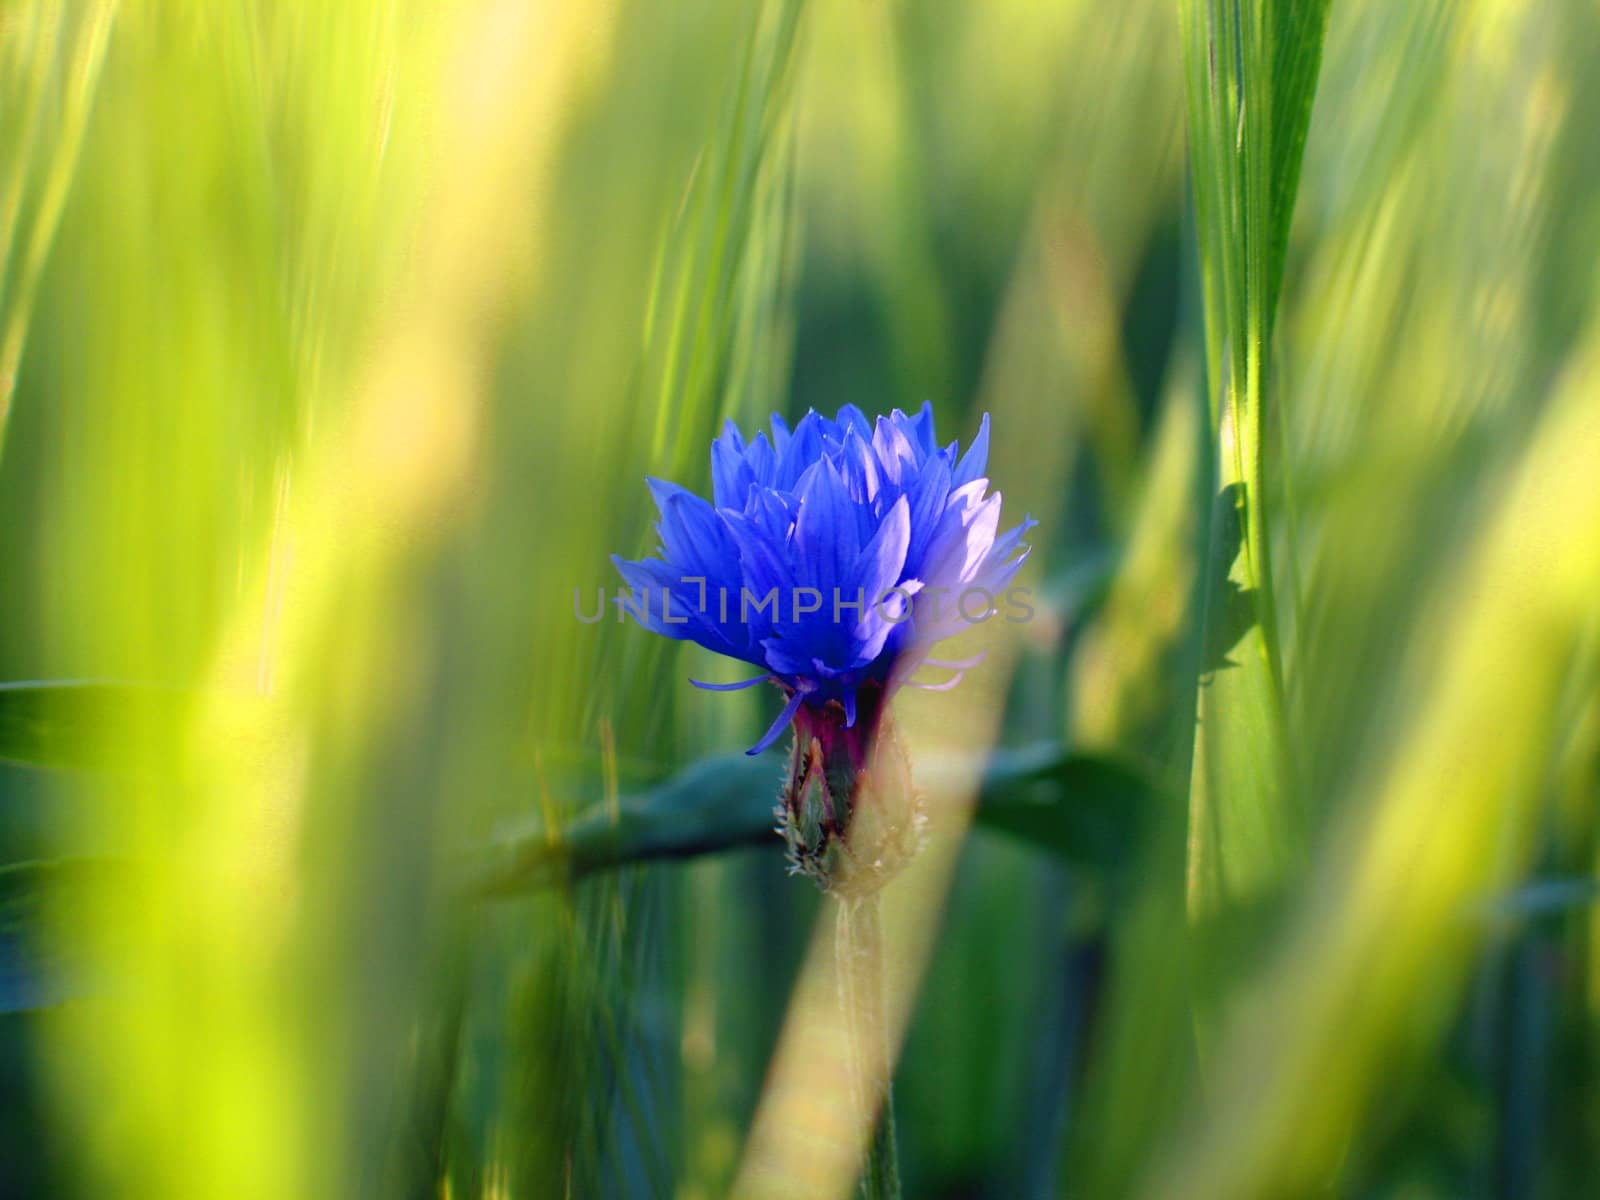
775 731
976 459
729 687
829 556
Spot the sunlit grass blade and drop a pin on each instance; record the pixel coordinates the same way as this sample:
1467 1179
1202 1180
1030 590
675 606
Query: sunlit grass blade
1252 69
227 918
85 36
1299 28
1441 817
694 270
726 248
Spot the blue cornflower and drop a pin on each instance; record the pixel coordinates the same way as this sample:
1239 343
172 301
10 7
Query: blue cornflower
832 557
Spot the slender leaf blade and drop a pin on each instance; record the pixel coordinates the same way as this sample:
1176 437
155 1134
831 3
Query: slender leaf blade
1252 68
1086 809
63 723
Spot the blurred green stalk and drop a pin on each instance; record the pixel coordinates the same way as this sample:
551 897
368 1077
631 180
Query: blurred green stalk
89 54
858 951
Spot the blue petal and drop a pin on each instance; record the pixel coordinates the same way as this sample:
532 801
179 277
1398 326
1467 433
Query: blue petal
929 497
954 664
762 459
659 590
851 417
775 731
641 580
876 571
763 564
697 540
920 429
803 450
825 530
782 661
775 513
729 687
976 459
964 539
663 490
731 476
998 570
860 466
1007 543
893 448
878 567
780 432
841 506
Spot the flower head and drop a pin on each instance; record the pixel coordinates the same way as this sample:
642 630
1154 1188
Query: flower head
832 557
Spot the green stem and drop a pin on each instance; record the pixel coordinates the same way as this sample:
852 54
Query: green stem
81 82
858 951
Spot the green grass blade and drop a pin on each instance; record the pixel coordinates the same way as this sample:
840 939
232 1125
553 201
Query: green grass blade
1299 30
63 723
1443 814
1252 69
39 968
86 39
1089 810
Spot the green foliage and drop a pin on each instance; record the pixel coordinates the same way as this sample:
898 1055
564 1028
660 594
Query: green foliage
60 723
335 342
53 55
1086 809
1252 73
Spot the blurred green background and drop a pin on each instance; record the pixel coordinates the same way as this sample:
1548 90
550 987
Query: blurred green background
335 342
